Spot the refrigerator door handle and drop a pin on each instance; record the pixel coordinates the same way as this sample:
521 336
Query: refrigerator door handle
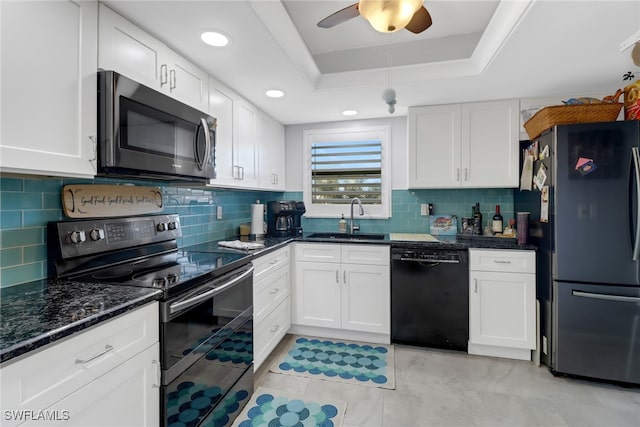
636 164
620 298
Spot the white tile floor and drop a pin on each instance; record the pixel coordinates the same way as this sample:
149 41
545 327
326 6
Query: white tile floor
443 388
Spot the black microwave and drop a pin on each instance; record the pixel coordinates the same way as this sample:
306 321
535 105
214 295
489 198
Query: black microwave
143 133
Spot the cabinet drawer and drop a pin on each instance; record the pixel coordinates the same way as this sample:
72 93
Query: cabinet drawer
269 333
44 378
318 252
269 292
515 261
270 262
365 254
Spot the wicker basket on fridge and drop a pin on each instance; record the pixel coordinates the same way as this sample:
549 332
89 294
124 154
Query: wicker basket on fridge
548 117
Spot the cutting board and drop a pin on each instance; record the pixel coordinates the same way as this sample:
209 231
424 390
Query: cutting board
412 237
102 200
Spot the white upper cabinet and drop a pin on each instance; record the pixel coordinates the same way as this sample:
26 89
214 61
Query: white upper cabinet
222 107
249 143
270 135
471 145
49 88
128 50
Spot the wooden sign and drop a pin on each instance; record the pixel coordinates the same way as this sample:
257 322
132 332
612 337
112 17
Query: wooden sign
100 201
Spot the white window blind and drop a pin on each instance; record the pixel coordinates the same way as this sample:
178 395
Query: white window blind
344 170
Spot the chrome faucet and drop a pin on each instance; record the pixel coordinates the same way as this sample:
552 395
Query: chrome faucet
352 227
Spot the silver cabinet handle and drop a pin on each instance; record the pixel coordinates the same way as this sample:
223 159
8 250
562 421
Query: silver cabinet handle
236 175
158 374
466 174
163 75
337 277
475 285
458 174
172 79
497 261
344 277
274 291
619 298
275 328
107 349
241 172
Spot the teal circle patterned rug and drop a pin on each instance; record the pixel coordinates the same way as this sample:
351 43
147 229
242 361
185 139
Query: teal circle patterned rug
344 361
269 408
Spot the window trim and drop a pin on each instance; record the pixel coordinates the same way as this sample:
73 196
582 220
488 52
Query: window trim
381 211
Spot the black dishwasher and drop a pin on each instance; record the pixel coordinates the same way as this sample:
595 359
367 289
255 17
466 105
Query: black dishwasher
430 297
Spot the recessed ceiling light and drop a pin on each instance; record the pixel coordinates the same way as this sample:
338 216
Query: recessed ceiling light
214 38
349 112
274 93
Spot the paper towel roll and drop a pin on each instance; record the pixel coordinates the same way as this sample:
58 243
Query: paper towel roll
257 219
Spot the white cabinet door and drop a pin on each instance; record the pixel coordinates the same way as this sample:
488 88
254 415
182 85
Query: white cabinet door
222 107
472 145
366 298
434 146
128 395
245 147
187 82
127 49
490 144
502 309
48 122
270 136
317 294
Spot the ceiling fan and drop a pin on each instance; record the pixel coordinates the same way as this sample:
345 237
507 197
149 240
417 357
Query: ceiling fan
385 16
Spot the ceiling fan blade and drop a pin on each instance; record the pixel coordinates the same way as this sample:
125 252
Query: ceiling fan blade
421 21
340 16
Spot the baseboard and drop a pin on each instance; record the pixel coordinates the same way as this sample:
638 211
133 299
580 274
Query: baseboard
340 334
496 351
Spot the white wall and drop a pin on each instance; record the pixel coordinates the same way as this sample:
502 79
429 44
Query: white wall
294 153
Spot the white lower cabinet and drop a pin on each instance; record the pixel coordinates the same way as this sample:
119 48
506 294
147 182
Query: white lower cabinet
271 303
108 375
502 303
342 287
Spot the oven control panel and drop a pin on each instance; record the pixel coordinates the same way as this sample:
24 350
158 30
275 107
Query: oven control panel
86 237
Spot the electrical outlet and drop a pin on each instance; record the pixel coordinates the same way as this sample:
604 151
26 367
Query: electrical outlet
219 212
424 209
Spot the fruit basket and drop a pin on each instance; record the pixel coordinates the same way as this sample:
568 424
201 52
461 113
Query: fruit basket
548 117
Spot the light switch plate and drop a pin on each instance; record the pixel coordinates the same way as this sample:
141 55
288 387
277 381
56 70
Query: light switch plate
424 209
218 212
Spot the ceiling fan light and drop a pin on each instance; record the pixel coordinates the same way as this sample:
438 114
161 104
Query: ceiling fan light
388 16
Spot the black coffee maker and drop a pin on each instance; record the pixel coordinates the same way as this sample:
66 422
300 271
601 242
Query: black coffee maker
283 218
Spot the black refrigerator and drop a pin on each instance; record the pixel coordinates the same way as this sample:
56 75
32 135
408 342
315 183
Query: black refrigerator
588 269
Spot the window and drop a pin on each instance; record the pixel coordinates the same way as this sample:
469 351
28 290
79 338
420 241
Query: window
342 164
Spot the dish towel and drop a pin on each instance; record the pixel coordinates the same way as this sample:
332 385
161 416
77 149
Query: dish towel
237 244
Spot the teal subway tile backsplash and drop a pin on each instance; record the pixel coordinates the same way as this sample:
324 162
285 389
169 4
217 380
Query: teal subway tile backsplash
22 237
406 217
10 219
28 204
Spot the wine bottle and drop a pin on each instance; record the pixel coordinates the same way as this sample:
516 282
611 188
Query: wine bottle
477 220
496 224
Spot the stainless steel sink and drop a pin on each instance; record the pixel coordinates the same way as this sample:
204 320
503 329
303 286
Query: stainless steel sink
345 236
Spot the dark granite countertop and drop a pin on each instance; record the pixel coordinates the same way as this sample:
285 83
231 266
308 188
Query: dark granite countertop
458 242
35 314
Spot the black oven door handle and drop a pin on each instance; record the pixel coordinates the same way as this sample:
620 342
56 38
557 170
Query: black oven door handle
202 163
181 305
